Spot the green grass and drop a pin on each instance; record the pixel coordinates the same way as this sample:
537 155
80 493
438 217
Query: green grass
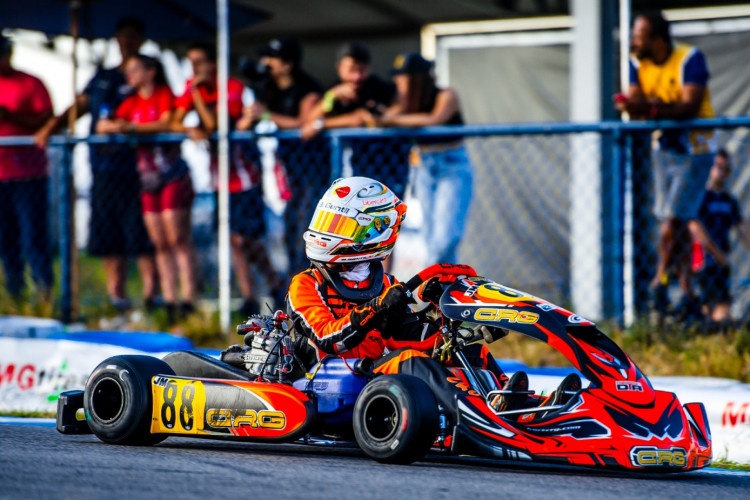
728 464
29 414
93 305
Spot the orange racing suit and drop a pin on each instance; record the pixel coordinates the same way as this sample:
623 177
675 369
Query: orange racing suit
325 318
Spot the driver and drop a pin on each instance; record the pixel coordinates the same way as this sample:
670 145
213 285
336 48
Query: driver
346 305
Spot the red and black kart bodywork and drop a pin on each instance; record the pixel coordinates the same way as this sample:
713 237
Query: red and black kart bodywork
619 421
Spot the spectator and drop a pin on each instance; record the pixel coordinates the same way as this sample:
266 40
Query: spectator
353 101
719 212
443 174
670 81
245 198
24 107
166 188
286 96
116 228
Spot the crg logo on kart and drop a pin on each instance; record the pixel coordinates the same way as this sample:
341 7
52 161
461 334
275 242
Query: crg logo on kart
626 385
266 419
509 315
651 456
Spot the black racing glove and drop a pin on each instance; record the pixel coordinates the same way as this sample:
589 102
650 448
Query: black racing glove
396 297
432 290
391 306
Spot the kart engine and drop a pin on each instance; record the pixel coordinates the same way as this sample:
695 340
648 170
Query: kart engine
268 353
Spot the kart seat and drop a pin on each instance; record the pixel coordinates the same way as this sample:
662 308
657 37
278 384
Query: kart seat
200 365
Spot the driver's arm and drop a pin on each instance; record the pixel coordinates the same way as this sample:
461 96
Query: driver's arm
314 319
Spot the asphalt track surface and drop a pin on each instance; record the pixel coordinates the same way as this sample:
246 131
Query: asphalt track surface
37 462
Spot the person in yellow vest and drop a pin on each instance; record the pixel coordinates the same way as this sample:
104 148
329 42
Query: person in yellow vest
669 81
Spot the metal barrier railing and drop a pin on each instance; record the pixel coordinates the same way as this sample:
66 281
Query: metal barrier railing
558 209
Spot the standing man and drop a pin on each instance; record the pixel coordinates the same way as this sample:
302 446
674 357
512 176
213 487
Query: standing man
353 101
246 222
25 106
670 81
116 228
719 212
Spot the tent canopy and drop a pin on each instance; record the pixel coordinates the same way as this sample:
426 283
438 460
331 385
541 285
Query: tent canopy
165 20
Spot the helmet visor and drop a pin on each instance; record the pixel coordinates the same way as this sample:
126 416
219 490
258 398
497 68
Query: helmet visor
356 226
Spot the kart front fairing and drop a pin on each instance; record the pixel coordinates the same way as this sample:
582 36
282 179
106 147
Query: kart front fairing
596 356
619 420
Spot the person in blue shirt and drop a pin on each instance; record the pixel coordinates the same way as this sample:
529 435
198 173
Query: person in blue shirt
719 213
116 228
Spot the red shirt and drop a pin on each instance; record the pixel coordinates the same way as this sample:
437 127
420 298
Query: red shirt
138 109
243 173
235 89
22 93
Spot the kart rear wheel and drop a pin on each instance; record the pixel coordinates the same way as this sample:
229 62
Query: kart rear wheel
117 399
396 419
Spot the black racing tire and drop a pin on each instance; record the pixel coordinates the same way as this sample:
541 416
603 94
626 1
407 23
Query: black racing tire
118 400
396 419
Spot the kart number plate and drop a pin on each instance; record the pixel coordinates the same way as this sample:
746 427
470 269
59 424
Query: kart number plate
179 406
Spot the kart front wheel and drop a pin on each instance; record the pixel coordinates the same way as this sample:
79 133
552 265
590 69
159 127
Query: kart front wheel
117 399
396 419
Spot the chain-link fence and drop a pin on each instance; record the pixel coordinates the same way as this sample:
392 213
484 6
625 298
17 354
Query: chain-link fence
563 211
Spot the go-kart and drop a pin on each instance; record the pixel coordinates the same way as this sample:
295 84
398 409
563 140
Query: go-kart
618 421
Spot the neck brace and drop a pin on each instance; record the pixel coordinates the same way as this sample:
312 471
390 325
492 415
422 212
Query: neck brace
358 273
357 295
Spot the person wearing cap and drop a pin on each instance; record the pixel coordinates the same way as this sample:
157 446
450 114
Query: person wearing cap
353 101
286 97
116 228
246 222
289 94
25 106
442 171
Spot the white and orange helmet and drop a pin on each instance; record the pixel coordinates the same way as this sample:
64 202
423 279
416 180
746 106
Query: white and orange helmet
357 220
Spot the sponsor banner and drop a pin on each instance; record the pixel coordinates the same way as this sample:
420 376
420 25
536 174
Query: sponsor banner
727 405
33 372
43 328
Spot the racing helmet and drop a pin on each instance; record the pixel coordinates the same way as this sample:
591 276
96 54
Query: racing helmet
357 220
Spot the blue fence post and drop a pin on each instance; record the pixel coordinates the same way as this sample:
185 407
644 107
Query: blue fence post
336 155
66 234
616 217
628 284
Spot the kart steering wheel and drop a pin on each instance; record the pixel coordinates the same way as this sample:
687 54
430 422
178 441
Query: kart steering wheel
441 271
